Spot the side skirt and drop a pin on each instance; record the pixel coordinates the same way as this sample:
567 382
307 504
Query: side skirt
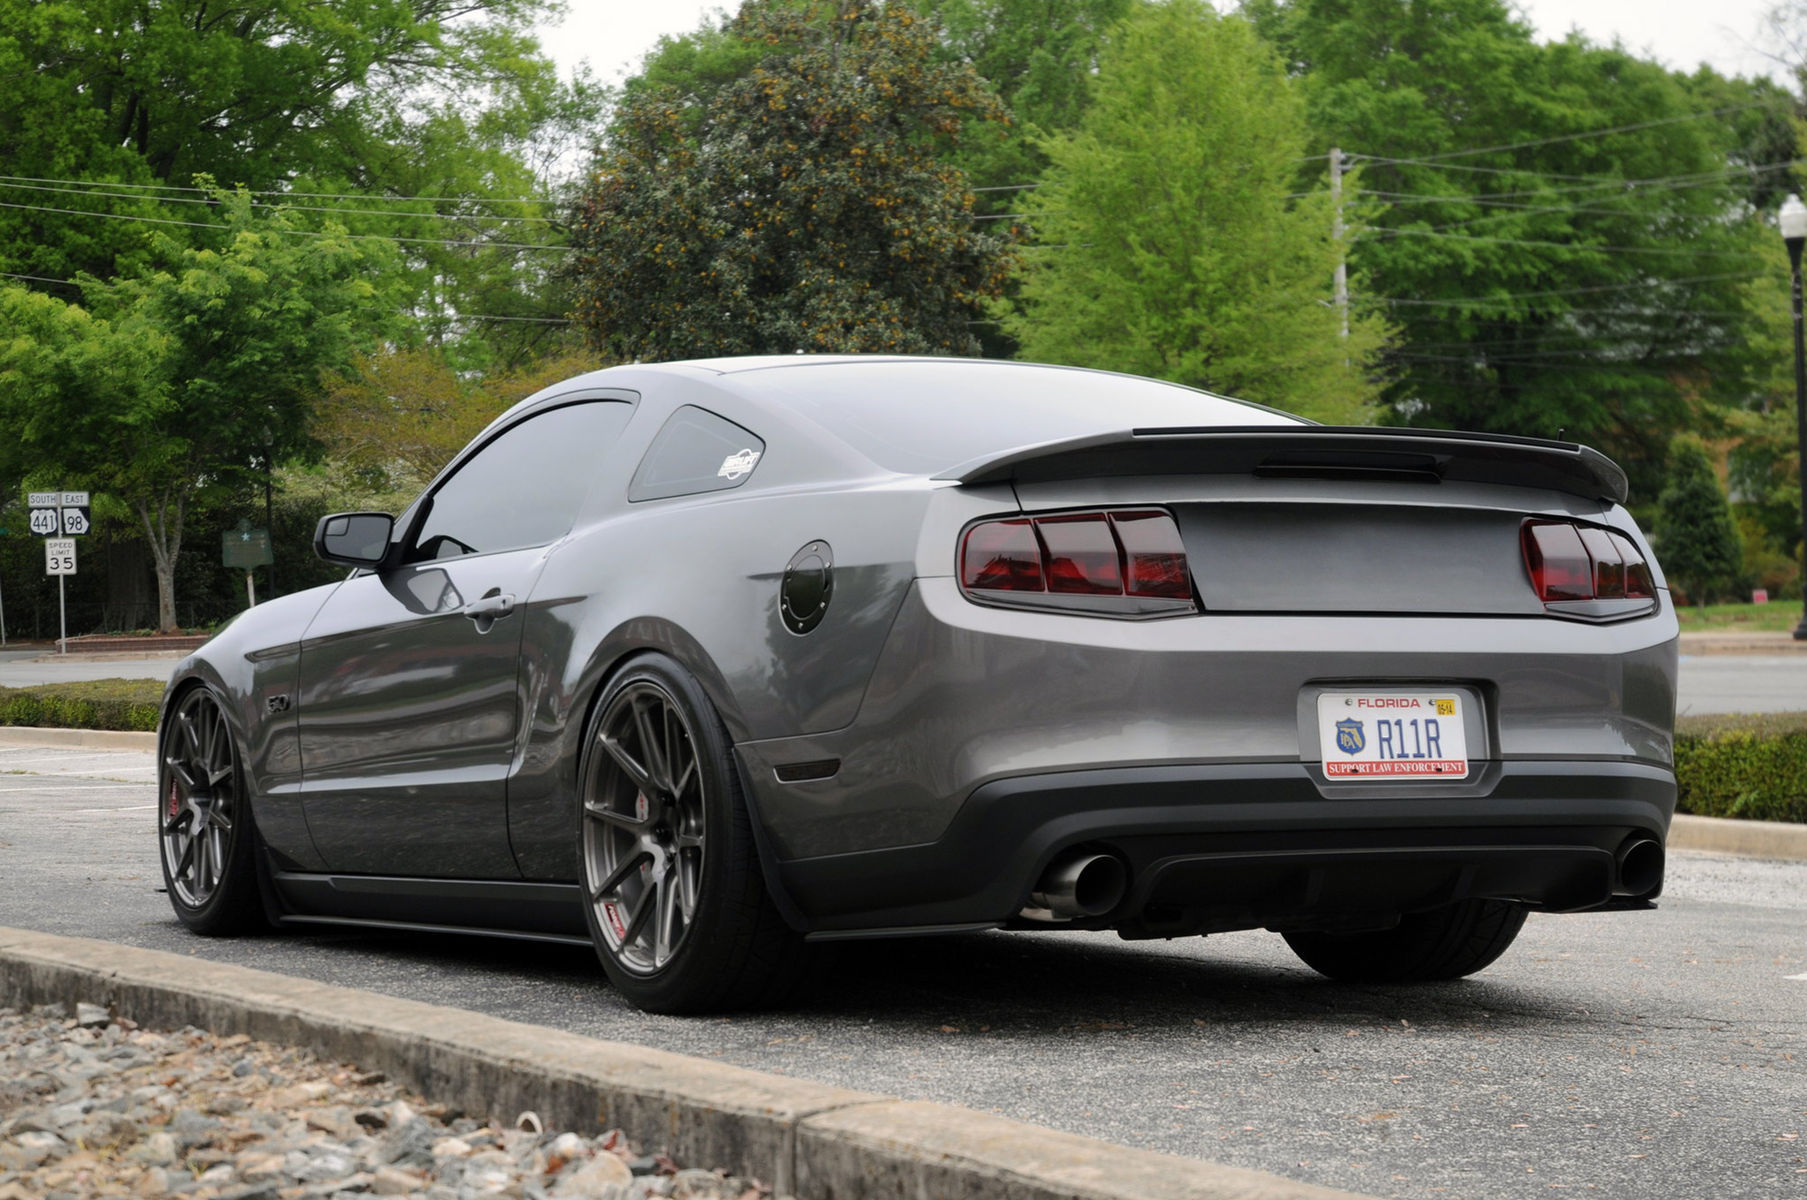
497 908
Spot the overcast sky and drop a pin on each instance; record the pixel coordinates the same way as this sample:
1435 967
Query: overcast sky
613 34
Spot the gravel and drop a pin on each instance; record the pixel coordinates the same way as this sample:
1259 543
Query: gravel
91 1106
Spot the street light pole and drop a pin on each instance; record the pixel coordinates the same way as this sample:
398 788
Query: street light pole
1793 220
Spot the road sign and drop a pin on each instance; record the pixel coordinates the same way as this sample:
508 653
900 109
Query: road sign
76 514
245 548
46 512
59 556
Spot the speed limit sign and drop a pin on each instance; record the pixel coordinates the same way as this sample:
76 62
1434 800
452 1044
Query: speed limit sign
59 556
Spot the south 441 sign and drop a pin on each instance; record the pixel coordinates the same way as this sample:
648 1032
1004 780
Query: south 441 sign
64 514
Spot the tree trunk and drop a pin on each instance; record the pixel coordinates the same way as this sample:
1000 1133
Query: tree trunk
164 536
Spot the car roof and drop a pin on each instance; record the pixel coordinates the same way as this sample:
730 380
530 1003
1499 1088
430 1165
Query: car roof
918 415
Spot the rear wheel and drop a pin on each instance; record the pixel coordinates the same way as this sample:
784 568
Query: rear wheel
675 901
1444 943
207 840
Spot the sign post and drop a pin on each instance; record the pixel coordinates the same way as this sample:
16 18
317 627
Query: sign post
59 560
246 549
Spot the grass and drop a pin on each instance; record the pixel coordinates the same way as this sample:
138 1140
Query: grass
1778 616
128 704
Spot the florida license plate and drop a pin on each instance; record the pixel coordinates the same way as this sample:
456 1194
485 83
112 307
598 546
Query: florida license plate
1392 735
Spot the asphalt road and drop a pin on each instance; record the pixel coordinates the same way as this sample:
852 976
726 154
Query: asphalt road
1627 1055
1710 683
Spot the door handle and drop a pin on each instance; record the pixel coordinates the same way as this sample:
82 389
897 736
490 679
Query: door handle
489 609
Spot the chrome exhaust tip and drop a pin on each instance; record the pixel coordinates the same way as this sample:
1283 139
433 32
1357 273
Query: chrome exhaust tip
1083 885
1639 866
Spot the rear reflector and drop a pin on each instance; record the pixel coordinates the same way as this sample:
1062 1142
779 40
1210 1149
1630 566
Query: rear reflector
1120 563
1585 570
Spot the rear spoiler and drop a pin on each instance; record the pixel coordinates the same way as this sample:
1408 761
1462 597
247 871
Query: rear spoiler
1311 451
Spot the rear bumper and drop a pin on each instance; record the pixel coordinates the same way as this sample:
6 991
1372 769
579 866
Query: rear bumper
1244 845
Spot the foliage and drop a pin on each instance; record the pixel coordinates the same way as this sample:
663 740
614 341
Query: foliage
129 704
113 107
1546 278
396 417
1170 244
801 205
1782 613
1696 539
181 382
1753 767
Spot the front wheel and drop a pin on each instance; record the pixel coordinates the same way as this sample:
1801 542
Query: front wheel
207 841
1444 943
674 897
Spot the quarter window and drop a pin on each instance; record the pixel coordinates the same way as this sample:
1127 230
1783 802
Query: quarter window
697 451
525 486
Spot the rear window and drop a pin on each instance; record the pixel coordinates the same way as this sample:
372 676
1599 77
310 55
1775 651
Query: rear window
923 417
696 451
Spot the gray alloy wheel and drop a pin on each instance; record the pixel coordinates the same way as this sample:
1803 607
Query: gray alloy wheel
676 902
204 825
645 829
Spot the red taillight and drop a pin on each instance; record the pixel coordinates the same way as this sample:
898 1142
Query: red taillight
1153 555
1134 556
1572 562
1002 556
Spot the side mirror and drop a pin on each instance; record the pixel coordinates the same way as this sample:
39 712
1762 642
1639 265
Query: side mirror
354 539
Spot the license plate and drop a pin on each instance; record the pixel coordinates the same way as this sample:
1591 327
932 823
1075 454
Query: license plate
1392 735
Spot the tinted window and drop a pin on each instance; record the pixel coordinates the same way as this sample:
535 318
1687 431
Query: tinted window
524 488
697 451
923 417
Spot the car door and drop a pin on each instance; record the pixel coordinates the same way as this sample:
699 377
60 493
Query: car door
409 693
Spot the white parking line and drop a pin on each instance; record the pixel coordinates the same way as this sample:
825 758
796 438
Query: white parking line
1801 978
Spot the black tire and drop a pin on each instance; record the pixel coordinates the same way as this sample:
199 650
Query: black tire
206 839
1444 943
674 897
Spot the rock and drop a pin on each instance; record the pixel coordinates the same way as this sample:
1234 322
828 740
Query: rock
392 1181
335 1121
92 1016
409 1144
563 1149
371 1119
694 1184
451 1148
589 1180
157 1150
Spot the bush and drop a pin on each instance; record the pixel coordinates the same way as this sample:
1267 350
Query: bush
1696 540
128 704
1743 766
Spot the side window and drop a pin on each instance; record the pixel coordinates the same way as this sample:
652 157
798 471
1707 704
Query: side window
524 488
697 451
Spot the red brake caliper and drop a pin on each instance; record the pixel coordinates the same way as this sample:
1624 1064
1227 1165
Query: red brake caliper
175 801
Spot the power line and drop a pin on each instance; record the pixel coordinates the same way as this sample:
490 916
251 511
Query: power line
318 233
1591 133
1586 247
171 187
1639 285
318 208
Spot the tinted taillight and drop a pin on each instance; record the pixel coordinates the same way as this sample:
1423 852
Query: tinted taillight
1120 563
1002 556
1585 570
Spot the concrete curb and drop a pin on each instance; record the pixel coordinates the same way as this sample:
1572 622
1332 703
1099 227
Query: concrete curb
811 1140
76 739
1747 839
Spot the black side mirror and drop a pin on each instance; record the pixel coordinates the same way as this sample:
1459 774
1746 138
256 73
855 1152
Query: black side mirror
358 539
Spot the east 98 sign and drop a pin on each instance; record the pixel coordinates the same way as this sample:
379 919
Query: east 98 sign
59 513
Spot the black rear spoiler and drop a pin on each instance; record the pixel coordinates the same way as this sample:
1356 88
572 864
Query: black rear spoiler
1314 451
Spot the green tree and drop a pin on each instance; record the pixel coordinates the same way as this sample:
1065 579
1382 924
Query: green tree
806 204
438 121
1560 231
180 384
1171 246
1696 539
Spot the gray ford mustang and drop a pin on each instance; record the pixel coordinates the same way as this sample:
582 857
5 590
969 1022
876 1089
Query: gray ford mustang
701 662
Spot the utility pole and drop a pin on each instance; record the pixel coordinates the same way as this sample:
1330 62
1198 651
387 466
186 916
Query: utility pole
1336 232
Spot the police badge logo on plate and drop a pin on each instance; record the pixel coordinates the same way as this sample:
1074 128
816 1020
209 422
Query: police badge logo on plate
1392 735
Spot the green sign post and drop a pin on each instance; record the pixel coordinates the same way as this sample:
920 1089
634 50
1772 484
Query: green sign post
246 549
